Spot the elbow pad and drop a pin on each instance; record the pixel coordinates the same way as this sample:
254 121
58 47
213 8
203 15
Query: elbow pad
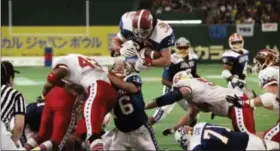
226 74
169 98
54 80
267 99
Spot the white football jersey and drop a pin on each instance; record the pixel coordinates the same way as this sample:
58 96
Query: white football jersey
82 70
162 36
207 97
268 76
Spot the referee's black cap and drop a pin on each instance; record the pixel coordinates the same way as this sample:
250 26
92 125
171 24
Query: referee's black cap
7 69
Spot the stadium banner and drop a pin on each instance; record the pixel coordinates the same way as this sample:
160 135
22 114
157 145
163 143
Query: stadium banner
246 30
269 27
31 41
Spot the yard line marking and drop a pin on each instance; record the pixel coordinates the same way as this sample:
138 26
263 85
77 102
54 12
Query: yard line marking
24 81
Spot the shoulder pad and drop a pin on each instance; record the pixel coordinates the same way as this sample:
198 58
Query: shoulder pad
59 60
161 31
245 51
193 55
134 78
200 125
269 75
126 21
230 53
175 58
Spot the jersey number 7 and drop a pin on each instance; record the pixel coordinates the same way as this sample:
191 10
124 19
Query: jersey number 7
208 133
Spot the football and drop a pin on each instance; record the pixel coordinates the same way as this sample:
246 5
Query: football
149 53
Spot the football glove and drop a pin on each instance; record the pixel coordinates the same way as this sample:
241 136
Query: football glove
235 100
129 49
235 82
168 131
140 65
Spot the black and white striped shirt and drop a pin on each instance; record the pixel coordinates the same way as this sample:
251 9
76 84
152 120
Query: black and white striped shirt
12 103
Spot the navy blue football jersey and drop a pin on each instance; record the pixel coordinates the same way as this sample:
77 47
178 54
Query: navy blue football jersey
207 137
129 111
179 64
33 115
238 61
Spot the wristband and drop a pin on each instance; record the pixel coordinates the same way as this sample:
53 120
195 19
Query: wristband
152 55
252 103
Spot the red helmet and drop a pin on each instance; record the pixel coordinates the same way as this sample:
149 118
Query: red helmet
142 23
265 58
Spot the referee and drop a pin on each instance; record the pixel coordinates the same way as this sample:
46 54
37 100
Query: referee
12 109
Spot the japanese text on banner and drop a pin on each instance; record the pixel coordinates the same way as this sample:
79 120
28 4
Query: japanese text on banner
96 44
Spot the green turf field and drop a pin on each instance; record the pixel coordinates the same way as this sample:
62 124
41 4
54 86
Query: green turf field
31 80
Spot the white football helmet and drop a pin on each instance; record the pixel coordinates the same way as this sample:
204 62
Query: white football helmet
183 136
182 75
182 46
121 68
236 42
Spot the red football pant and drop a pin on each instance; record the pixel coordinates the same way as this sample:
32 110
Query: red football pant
273 133
56 115
101 100
243 118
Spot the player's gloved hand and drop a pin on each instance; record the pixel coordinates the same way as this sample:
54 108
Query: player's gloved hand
139 65
168 131
235 100
237 83
129 49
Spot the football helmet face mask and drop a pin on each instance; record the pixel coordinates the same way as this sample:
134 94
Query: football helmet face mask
182 46
236 42
265 58
183 136
142 24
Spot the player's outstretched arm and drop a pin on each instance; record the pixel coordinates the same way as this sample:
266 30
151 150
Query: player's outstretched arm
187 118
55 79
166 82
125 86
164 60
166 99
